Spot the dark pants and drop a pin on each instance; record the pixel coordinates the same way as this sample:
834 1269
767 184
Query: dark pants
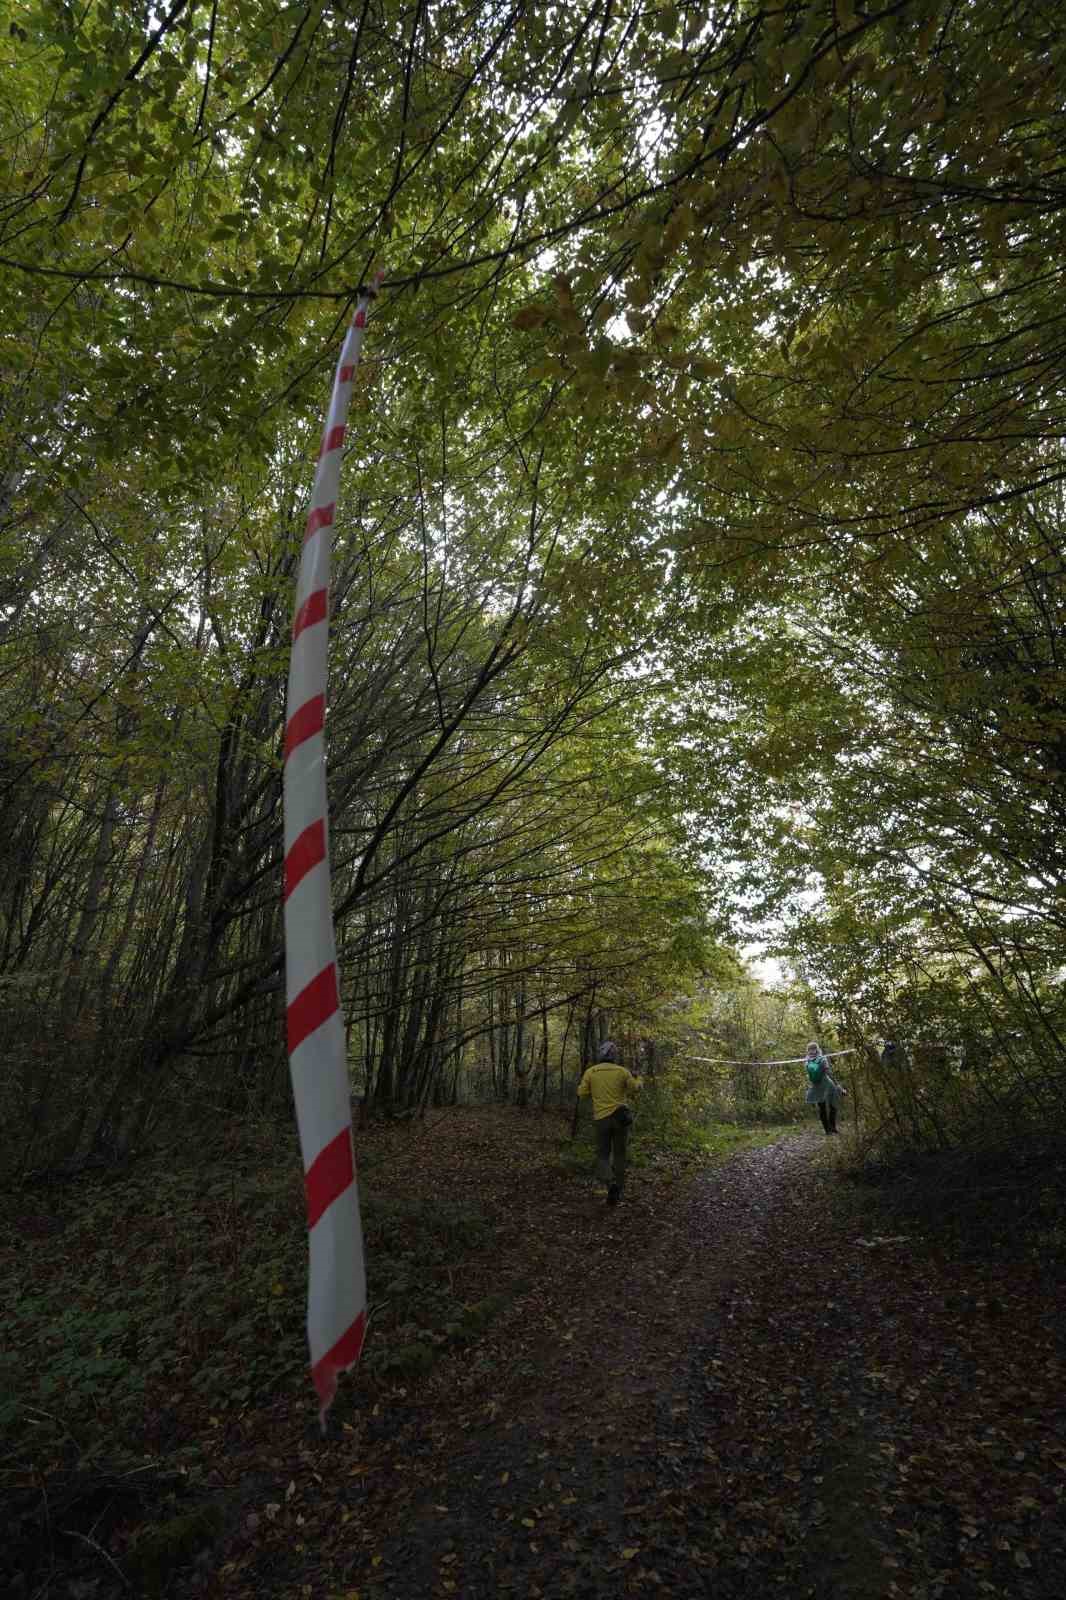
828 1115
611 1135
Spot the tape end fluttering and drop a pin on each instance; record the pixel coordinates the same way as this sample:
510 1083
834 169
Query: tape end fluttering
326 1373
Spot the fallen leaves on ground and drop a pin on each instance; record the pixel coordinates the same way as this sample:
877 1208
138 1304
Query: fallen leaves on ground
743 1381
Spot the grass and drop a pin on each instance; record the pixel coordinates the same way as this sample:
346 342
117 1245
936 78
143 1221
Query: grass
656 1141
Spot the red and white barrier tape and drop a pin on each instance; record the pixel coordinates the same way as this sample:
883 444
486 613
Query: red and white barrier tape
336 1297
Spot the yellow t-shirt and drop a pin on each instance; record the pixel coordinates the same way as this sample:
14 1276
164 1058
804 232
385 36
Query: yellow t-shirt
607 1083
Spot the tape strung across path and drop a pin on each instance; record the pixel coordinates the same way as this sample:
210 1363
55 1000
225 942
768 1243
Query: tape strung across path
336 1295
790 1061
795 1061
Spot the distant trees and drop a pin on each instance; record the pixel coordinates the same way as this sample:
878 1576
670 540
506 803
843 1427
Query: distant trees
701 543
487 873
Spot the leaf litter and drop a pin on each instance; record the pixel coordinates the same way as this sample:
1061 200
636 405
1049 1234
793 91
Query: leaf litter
719 1388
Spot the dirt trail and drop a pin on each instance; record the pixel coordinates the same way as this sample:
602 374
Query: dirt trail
758 1391
572 1491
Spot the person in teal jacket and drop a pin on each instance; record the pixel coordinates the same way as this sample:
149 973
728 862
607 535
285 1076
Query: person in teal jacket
823 1090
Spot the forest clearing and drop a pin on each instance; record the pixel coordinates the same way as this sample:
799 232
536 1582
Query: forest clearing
532 589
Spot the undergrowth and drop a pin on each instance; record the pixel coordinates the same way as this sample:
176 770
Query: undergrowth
1003 1198
162 1289
655 1139
148 1315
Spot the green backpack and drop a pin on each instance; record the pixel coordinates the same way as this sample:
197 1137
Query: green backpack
816 1069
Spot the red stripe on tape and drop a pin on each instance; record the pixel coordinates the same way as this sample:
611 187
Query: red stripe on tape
344 1354
305 723
313 1006
346 374
334 439
321 517
313 610
359 320
306 853
329 1175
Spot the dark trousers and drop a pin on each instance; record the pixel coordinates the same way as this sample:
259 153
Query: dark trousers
611 1135
828 1115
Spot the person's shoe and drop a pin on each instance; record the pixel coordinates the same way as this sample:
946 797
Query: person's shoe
614 1194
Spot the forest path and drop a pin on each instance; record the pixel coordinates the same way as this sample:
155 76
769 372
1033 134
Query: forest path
753 1389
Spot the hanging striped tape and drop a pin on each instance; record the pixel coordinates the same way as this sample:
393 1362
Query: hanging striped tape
336 1296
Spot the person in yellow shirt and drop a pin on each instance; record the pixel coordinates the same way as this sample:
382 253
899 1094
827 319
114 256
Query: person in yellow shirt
608 1084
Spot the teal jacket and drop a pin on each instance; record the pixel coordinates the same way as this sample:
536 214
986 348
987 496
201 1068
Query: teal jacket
826 1091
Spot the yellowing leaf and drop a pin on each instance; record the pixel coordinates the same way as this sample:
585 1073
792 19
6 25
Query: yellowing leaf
529 317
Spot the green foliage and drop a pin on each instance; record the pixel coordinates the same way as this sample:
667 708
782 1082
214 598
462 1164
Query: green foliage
682 1112
699 561
79 1354
413 1307
211 1308
163 1546
667 1129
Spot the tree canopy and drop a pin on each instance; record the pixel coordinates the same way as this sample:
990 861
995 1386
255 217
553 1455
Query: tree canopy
700 552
